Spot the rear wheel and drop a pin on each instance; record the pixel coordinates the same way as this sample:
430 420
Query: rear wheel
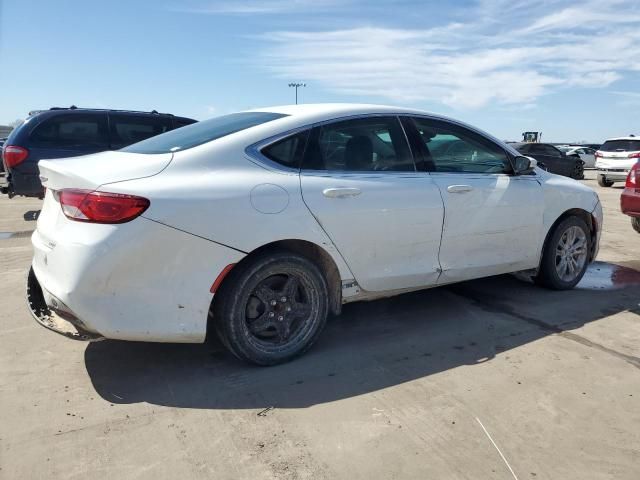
271 309
566 255
603 182
635 223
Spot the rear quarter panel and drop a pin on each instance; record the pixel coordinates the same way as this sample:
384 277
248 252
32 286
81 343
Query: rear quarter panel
135 281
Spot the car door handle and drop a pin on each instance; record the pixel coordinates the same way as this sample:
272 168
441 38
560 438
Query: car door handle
459 188
341 192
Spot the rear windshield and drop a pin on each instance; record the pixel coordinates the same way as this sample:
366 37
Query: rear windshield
621 146
201 132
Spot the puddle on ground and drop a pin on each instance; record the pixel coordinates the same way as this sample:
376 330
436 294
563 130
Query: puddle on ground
607 276
23 234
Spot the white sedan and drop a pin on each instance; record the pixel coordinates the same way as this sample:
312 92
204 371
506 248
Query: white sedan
257 225
586 154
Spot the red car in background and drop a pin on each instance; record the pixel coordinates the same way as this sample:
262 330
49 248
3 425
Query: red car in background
630 199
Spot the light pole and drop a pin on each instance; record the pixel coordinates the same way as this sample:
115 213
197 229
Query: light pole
297 85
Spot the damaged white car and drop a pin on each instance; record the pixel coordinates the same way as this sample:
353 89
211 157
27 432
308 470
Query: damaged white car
257 225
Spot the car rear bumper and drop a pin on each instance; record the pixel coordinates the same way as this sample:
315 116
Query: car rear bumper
615 169
136 281
4 183
56 317
614 174
630 202
23 184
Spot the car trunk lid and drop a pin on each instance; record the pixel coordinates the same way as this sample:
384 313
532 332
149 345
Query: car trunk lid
91 171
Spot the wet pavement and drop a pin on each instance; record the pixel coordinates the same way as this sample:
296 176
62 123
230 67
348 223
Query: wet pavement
608 276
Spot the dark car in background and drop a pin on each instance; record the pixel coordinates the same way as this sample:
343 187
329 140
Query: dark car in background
71 132
553 159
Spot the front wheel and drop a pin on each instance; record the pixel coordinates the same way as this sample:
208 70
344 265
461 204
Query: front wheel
603 182
272 308
578 170
566 255
635 223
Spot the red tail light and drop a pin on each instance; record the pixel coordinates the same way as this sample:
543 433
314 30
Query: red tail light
632 178
598 155
100 207
634 155
14 155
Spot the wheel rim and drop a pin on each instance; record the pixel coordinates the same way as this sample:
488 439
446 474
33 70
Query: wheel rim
278 309
571 254
578 169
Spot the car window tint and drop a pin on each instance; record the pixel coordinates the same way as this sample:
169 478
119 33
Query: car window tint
620 146
75 131
127 129
202 132
549 150
288 151
361 145
455 149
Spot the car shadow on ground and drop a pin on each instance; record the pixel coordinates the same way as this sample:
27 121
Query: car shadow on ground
371 346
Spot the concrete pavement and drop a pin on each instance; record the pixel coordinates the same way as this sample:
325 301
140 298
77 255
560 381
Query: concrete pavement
490 379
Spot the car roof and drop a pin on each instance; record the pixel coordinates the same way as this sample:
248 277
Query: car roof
77 110
309 113
623 138
328 111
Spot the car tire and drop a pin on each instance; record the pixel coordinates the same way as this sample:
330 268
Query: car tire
635 223
603 182
578 170
272 308
566 255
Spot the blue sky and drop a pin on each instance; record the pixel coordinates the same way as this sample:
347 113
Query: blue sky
570 69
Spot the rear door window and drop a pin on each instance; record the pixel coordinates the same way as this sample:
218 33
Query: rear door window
72 131
127 129
373 144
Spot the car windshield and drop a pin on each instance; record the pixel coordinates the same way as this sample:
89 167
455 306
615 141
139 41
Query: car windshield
621 146
564 148
201 132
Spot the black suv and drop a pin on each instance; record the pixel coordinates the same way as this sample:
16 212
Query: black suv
553 159
70 132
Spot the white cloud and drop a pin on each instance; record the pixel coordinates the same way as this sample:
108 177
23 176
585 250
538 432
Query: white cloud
502 53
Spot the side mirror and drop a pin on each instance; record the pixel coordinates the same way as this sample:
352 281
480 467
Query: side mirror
524 165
